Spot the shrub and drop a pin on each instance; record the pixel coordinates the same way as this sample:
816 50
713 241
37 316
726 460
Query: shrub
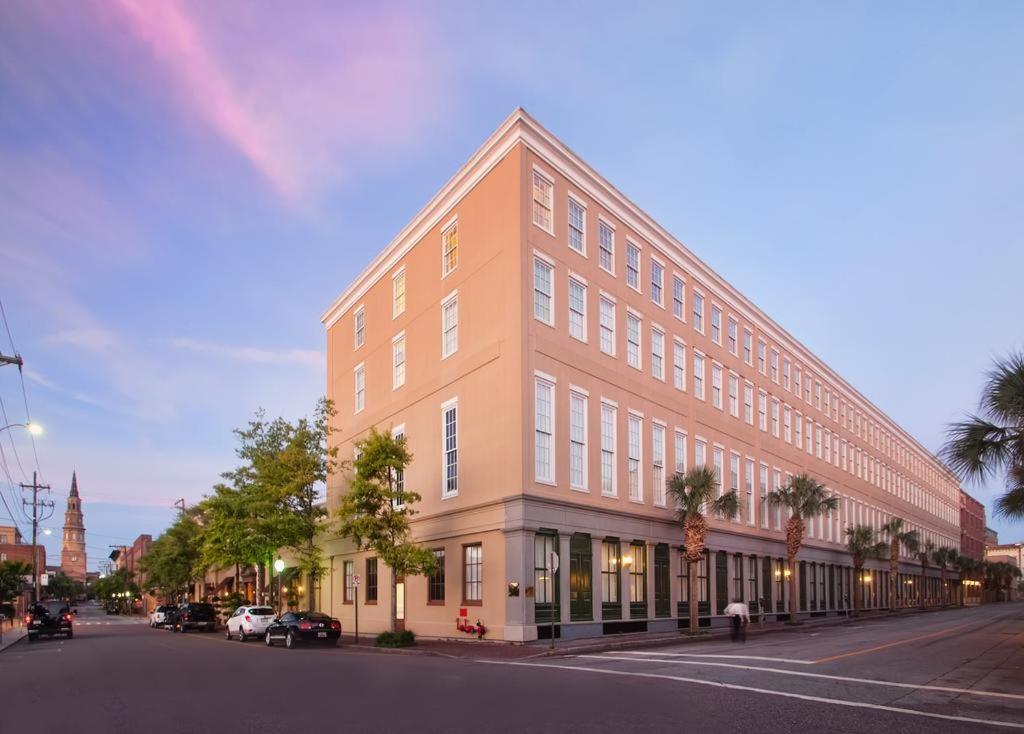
405 638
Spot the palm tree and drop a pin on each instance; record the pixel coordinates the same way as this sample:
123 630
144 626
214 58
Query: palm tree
943 557
897 537
967 567
986 445
861 543
804 496
924 556
694 493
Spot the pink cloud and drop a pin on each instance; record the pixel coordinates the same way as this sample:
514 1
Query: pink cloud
296 92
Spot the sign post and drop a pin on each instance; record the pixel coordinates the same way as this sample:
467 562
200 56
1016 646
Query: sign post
552 568
355 601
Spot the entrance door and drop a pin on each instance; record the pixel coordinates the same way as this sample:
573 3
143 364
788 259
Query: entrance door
662 592
581 568
400 604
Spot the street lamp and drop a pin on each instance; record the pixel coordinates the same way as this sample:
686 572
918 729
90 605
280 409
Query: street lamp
278 568
34 428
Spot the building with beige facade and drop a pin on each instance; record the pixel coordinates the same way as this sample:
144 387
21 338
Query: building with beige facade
552 355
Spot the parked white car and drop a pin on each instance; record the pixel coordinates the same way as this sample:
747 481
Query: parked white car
248 622
158 617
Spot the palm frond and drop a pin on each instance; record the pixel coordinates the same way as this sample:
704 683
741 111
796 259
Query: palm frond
1002 398
1011 504
976 448
693 490
728 505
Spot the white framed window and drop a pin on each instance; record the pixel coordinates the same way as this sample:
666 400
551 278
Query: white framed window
775 417
577 309
762 411
698 311
608 442
734 477
718 462
399 474
359 378
787 424
658 463
731 336
748 346
398 293
748 403
716 324
543 291
577 226
449 326
657 282
449 248
606 246
817 440
762 482
657 353
762 357
828 446
698 375
748 486
544 430
809 436
450 449
633 340
360 327
734 395
398 361
700 452
828 406
634 457
797 379
678 364
678 298
807 388
632 266
543 198
577 439
716 385
798 424
774 366
817 395
607 325
787 376
680 450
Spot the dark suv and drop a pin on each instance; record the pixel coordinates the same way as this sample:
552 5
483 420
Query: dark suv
49 618
195 616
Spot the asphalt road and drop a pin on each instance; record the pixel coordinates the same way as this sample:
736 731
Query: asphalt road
922 673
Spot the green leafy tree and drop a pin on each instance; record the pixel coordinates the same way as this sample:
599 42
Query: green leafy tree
694 492
899 536
986 444
924 557
175 562
804 497
64 588
376 510
12 575
862 545
117 589
942 557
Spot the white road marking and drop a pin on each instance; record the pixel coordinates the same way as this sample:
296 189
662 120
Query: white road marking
945 689
723 657
766 691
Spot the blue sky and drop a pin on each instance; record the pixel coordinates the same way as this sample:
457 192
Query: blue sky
186 186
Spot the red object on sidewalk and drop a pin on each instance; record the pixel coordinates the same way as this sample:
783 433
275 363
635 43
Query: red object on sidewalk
478 629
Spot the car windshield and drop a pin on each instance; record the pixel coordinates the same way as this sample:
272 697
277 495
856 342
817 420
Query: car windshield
316 616
261 611
55 607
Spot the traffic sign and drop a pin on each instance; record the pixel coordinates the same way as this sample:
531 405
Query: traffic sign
355 579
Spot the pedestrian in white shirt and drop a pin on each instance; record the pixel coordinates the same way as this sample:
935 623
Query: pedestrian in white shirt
740 614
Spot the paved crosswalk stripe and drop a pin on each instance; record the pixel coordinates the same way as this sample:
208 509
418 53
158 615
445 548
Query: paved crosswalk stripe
724 657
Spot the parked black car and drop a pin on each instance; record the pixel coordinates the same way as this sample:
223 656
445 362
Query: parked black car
193 616
295 627
49 618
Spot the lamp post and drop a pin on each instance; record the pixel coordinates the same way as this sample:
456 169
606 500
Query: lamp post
33 428
278 569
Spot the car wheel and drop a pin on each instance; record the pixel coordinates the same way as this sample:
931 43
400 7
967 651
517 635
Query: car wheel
289 641
227 633
32 638
70 634
268 640
241 634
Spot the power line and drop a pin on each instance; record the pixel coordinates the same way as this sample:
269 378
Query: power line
24 393
3 413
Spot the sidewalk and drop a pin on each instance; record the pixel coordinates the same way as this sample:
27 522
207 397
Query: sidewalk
10 635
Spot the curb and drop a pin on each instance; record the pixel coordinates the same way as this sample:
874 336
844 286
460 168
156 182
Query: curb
7 639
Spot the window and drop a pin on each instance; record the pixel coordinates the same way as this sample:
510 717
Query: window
577 225
577 310
657 354
435 582
787 424
633 340
817 441
680 451
718 460
763 491
360 327
716 385
817 395
748 345
775 417
638 575
633 458
449 249
679 365
796 380
787 381
828 447
577 440
778 508
371 580
399 433
734 475
543 193
610 572
398 293
762 411
632 266
734 395
731 336
657 281
775 367
608 439
658 463
748 403
606 247
698 375
762 354
360 385
450 458
799 425
807 389
748 486
348 592
543 291
698 312
449 326
678 297
544 427
607 317
545 543
700 452
398 361
716 324
473 573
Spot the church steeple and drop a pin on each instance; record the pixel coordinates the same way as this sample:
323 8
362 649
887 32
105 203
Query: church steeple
74 484
72 556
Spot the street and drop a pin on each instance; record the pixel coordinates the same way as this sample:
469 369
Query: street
955 671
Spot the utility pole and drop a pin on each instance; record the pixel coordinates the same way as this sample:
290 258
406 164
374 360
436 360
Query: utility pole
16 359
36 504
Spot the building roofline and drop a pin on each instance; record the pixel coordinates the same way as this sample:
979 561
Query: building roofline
521 127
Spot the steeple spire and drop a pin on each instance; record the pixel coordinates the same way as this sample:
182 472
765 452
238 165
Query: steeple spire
74 483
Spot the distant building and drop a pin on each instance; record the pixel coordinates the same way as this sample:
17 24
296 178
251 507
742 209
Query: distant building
72 556
14 548
1012 553
972 527
991 537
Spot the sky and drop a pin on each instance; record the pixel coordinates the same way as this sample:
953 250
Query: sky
186 186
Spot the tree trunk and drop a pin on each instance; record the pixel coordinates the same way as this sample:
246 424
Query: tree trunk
794 539
894 568
695 529
691 584
924 584
794 590
238 578
858 576
394 601
261 583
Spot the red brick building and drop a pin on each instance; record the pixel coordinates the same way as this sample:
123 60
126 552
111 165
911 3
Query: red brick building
972 527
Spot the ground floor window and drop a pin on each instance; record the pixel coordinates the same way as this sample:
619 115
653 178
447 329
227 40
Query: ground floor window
662 593
737 576
371 580
610 584
545 595
435 582
638 581
581 567
752 581
473 573
349 587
